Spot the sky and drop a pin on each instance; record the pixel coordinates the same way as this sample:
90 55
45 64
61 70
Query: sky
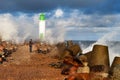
65 19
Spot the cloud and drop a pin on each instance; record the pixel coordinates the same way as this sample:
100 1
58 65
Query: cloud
89 6
69 25
83 26
58 13
107 39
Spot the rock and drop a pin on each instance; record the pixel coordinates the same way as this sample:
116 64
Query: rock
83 76
116 62
84 69
97 68
82 58
69 43
116 72
99 56
75 49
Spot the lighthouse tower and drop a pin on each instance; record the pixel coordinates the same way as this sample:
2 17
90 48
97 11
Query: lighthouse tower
42 26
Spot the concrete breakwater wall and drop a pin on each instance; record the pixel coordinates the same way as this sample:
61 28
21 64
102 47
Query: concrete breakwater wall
99 56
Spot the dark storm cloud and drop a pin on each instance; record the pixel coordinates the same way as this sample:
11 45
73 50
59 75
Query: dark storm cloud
89 6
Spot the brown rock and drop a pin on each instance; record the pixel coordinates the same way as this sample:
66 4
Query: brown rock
75 49
69 43
99 56
116 72
116 62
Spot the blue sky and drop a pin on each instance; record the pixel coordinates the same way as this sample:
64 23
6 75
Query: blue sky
68 19
89 6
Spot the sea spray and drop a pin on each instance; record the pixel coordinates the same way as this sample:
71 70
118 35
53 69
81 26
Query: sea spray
107 40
